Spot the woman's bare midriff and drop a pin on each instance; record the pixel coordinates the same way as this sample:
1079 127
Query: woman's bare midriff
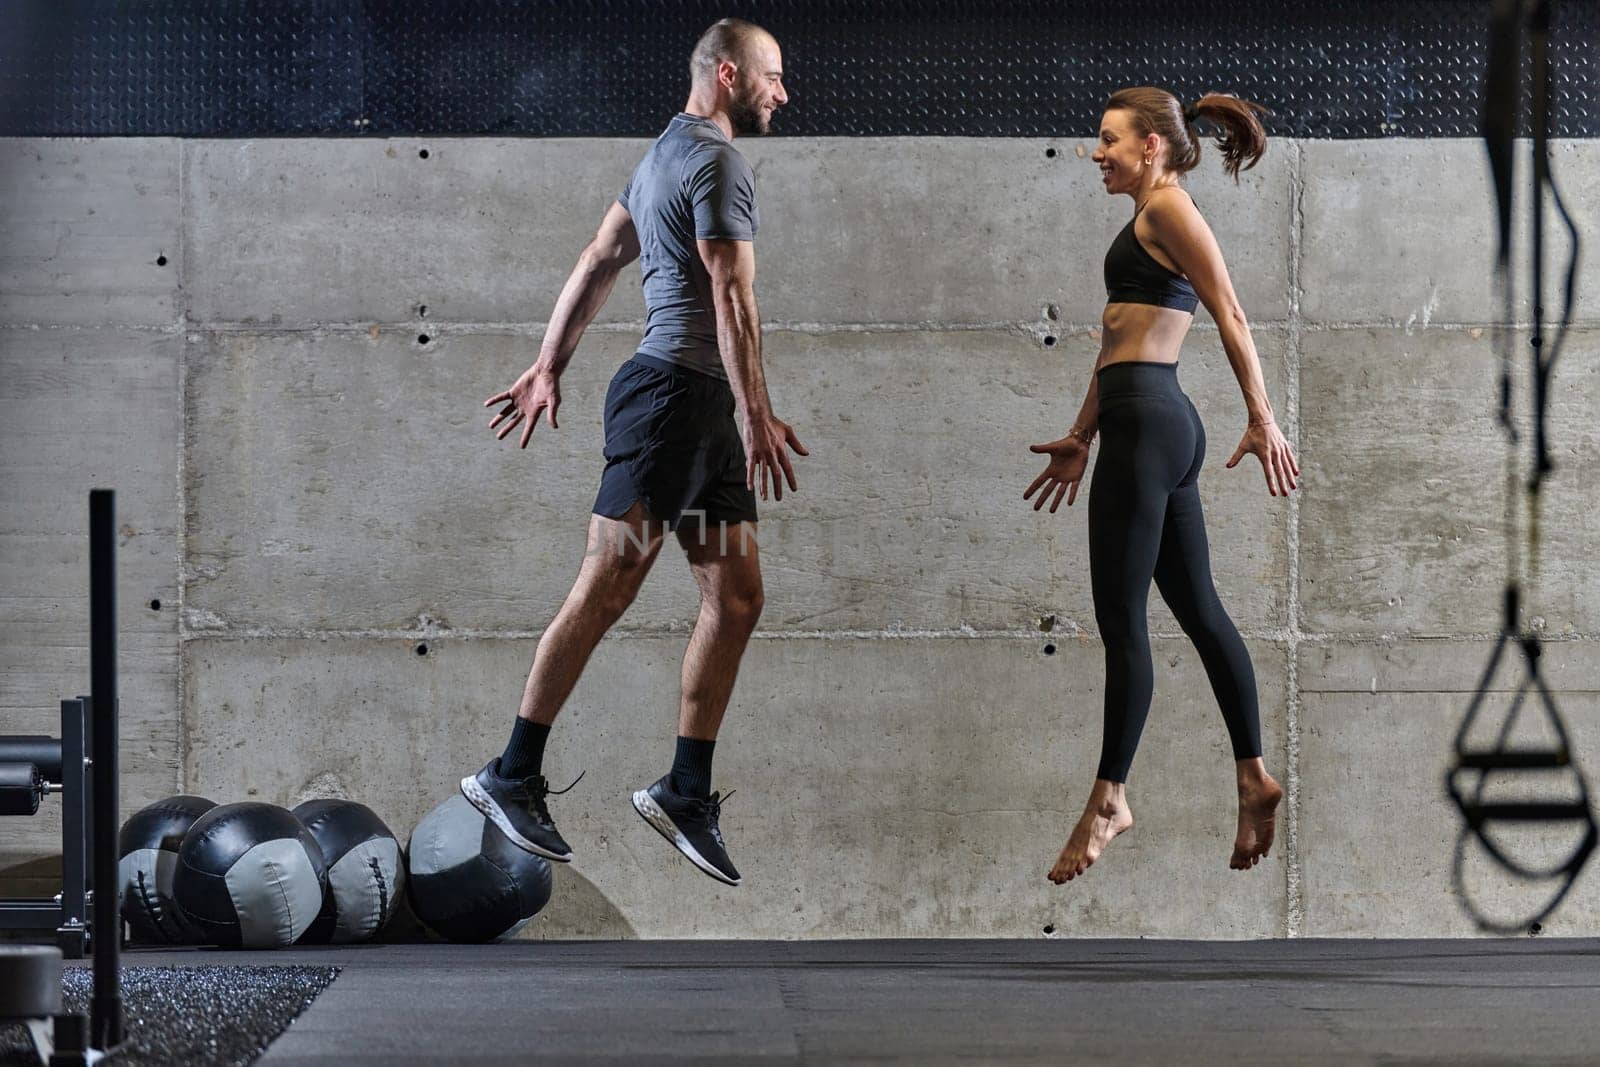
1143 332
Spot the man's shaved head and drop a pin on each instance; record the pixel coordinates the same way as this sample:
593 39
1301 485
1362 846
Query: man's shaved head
737 69
728 40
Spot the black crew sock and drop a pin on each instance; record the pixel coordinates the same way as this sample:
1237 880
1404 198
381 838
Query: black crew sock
524 754
691 768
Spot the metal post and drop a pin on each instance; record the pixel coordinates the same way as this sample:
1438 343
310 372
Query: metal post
105 1023
75 847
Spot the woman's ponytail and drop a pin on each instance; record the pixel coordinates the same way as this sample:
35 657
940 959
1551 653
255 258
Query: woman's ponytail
1243 140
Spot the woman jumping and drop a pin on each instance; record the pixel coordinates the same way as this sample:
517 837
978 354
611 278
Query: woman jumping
1144 502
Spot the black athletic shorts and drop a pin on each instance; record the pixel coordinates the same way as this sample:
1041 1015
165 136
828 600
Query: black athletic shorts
671 442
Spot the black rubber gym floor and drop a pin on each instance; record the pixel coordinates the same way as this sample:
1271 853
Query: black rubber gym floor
1047 1001
207 1015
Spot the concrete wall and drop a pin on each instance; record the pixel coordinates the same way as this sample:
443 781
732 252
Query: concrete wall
351 573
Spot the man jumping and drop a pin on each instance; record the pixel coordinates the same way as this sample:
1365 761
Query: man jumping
689 437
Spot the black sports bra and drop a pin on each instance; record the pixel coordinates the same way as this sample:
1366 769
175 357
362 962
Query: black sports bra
1134 276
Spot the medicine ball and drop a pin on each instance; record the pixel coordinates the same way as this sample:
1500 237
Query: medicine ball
250 875
147 851
468 881
365 871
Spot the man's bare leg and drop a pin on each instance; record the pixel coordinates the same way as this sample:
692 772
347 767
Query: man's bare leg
1104 817
680 806
509 790
1259 795
731 598
621 552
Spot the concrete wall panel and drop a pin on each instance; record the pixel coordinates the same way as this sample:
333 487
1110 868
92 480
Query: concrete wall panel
853 230
87 409
1377 832
910 787
1401 522
1403 231
82 225
293 232
79 410
343 482
980 231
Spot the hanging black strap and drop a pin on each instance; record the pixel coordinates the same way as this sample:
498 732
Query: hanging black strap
1468 780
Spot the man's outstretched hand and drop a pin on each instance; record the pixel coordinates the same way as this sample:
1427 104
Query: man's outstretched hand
766 441
537 392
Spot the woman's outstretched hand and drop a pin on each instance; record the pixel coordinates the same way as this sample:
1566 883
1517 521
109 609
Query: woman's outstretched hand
1068 459
1266 442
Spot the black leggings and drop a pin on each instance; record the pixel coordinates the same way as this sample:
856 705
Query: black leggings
1144 522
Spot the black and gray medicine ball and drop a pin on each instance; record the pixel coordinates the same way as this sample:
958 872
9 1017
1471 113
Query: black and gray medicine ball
250 875
365 870
468 881
147 852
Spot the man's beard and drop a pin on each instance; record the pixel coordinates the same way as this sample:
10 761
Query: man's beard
747 116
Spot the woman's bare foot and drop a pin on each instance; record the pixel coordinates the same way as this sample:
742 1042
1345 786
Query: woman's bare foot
1105 816
1259 795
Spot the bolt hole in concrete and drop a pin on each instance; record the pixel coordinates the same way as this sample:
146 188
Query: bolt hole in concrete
1049 929
1535 930
422 648
155 605
422 154
1050 650
1049 340
161 261
423 338
1049 153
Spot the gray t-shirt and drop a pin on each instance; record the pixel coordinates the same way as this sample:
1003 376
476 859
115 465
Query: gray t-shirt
692 185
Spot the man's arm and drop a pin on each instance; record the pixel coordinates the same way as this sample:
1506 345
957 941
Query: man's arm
615 245
731 266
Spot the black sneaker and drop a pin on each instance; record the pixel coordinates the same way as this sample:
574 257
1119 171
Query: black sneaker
516 805
690 824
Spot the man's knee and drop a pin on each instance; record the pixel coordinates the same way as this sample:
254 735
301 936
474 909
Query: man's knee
609 589
740 604
611 604
600 604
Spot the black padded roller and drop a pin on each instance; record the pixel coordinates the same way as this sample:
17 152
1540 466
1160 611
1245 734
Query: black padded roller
21 789
30 981
41 751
